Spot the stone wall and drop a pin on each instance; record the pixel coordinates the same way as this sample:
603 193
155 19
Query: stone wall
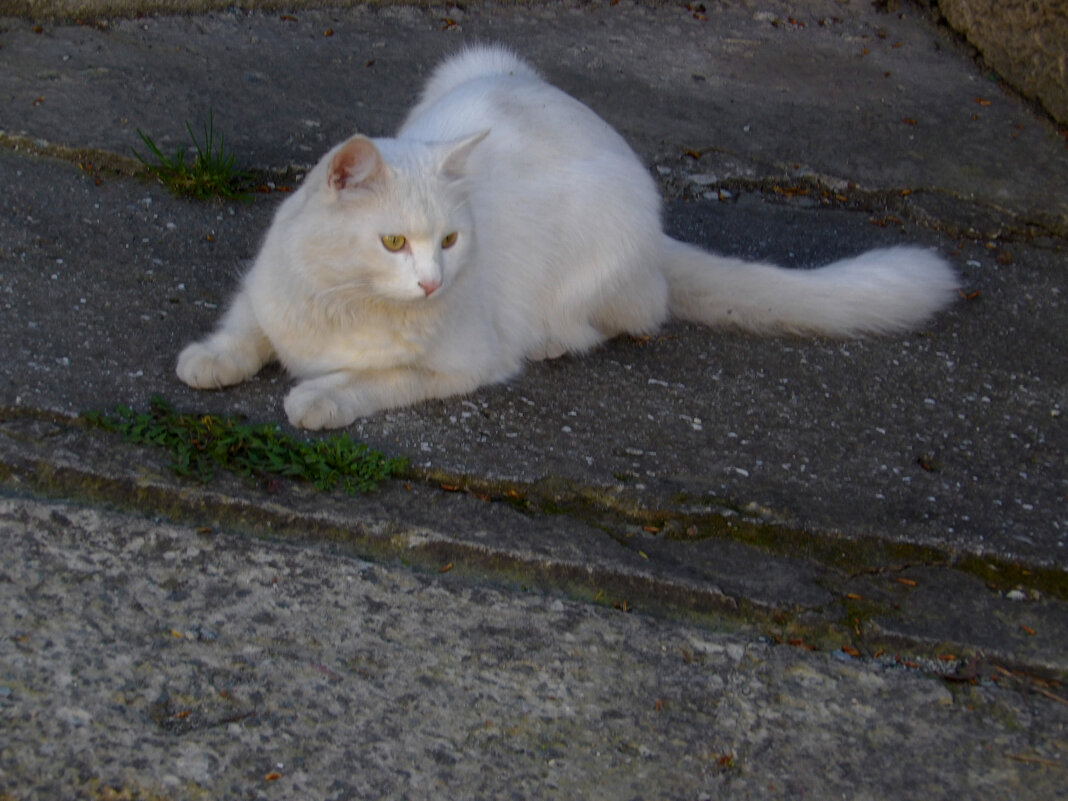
1025 41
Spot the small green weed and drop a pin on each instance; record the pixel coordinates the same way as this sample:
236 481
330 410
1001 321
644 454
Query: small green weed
201 444
211 174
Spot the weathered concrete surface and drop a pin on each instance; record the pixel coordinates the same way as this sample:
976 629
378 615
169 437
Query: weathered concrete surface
902 499
1026 42
146 660
95 10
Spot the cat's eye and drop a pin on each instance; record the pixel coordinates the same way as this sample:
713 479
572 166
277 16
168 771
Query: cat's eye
449 240
393 242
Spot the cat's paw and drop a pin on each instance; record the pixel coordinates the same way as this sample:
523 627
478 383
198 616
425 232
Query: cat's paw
203 366
320 403
547 350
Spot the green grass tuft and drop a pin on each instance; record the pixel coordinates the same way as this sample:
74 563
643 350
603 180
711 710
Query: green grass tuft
201 444
212 172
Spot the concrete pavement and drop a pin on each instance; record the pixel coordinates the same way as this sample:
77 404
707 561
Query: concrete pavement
696 566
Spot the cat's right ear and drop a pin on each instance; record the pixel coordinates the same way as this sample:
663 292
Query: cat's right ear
357 162
454 158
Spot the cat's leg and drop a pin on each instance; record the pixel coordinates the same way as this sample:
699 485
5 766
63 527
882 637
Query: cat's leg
634 301
637 305
336 399
567 337
235 351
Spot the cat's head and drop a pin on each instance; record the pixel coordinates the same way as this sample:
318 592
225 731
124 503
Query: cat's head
388 220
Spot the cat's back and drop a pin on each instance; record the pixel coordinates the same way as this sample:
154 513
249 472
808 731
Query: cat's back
479 88
490 88
471 64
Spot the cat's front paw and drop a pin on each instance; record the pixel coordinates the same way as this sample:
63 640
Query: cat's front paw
320 403
203 366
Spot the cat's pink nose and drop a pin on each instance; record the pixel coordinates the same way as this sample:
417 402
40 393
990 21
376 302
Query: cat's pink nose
430 287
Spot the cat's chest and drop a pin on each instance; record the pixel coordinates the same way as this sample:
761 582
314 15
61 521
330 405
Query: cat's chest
358 343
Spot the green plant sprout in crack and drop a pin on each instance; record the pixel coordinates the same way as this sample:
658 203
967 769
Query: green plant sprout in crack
201 444
211 174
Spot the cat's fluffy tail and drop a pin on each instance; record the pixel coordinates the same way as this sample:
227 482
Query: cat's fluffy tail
879 292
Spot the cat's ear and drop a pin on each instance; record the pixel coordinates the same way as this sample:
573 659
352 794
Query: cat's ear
454 154
355 163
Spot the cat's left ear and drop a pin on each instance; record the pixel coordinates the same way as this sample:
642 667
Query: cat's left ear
356 162
454 154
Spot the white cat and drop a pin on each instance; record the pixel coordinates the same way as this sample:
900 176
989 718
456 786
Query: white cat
506 221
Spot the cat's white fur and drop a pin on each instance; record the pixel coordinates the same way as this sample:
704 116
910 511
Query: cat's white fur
559 246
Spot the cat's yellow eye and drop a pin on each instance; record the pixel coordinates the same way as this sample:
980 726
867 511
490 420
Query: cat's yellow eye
449 240
393 242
